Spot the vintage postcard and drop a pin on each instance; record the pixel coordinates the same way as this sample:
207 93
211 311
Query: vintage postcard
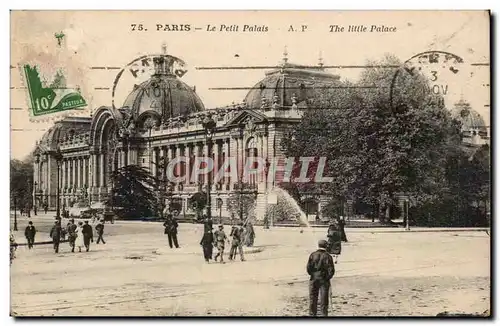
250 163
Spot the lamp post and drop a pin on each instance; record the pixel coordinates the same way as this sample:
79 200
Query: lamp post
58 156
34 196
209 126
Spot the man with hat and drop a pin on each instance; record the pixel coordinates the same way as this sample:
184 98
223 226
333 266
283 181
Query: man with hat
219 239
88 235
29 233
237 243
55 234
100 231
71 230
321 269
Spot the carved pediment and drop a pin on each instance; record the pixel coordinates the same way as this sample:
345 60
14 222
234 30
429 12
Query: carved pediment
248 118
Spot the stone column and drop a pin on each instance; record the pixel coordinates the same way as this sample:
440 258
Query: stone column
154 167
225 151
196 155
187 153
93 168
101 170
178 154
216 152
80 172
63 174
123 157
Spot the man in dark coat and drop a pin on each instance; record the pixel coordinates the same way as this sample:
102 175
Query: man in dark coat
171 226
88 235
321 269
29 233
55 234
207 243
237 243
71 231
100 231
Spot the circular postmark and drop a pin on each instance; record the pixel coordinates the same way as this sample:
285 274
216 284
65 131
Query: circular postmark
430 77
140 70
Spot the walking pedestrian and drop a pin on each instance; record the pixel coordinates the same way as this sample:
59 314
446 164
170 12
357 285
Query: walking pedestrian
207 243
343 235
88 235
45 208
55 234
99 228
29 233
237 242
34 210
220 240
249 234
71 231
79 241
321 269
171 226
334 237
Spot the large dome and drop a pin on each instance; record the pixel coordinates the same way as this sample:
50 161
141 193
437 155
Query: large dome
288 82
163 94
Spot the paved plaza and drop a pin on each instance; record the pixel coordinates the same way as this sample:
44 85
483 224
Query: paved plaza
381 272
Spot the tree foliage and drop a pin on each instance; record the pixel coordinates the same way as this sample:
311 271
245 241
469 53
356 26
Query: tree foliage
21 182
383 136
241 205
133 192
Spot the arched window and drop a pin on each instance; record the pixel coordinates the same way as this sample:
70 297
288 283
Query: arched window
251 152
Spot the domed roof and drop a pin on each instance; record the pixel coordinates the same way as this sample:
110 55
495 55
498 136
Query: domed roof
163 94
470 119
289 84
67 127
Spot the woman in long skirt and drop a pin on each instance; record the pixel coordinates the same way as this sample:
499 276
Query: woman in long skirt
334 236
249 234
79 237
207 243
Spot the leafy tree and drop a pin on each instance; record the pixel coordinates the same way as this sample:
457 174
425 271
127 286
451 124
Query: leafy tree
198 202
133 192
378 143
241 204
21 181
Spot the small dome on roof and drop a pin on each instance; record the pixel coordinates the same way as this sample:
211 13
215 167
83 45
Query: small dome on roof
471 120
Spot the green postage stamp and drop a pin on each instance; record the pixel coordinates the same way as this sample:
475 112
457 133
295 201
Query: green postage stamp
50 97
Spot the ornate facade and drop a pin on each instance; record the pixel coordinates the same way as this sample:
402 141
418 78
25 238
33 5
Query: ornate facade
162 118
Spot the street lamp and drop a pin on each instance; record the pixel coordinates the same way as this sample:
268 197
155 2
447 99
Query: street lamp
34 197
58 156
209 126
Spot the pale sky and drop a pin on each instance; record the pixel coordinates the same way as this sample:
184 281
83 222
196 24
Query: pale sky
99 38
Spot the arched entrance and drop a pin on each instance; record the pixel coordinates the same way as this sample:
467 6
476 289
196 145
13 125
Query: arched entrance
251 152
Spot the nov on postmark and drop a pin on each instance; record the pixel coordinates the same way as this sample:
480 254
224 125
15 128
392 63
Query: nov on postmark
48 96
